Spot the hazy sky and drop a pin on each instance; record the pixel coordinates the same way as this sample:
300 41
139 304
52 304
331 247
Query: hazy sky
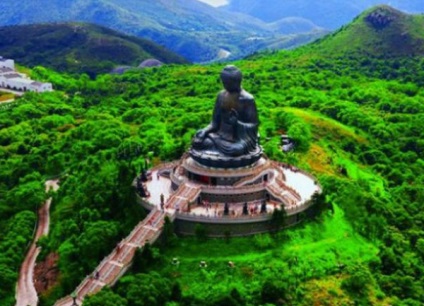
215 2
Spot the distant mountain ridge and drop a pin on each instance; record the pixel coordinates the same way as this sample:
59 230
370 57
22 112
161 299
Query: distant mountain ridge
78 47
330 14
290 25
190 28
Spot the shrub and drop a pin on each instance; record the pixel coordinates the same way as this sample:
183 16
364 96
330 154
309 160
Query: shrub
263 241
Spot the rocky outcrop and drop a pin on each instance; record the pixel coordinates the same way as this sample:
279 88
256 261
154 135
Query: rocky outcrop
380 18
46 273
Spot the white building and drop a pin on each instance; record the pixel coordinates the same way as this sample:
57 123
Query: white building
7 63
11 79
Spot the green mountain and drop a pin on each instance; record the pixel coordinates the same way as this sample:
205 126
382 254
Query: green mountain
193 29
78 47
380 32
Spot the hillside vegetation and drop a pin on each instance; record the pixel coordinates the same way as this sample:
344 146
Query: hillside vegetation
78 47
379 32
358 124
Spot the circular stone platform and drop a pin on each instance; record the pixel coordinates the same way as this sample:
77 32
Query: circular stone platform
195 194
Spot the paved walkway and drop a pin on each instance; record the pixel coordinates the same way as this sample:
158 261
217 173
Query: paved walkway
15 92
7 101
291 186
26 295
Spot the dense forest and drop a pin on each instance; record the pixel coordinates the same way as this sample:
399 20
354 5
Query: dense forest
358 125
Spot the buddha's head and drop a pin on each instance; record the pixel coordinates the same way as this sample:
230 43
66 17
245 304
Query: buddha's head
231 78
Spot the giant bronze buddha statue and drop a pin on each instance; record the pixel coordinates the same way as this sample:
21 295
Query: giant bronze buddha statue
231 139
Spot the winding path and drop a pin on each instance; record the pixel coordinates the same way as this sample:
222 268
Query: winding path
26 295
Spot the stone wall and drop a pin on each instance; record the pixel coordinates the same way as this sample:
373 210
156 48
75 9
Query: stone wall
185 224
221 227
234 198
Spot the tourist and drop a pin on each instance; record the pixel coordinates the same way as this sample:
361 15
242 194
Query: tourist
162 201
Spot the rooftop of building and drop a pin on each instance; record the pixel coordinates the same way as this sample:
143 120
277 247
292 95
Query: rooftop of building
5 69
12 76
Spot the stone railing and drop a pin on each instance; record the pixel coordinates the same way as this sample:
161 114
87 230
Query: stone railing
191 166
231 189
176 179
277 164
276 193
293 210
223 219
284 186
168 165
254 176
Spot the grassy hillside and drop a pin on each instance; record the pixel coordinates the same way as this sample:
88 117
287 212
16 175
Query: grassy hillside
256 259
380 32
78 47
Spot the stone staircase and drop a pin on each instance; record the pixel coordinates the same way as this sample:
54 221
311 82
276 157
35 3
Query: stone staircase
119 260
284 193
183 195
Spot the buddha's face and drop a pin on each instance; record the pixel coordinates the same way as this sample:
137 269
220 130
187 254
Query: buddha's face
231 84
231 78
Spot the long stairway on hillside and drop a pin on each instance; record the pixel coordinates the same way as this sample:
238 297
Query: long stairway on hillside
118 262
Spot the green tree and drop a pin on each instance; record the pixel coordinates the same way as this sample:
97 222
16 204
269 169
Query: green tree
273 292
145 289
105 298
279 218
359 281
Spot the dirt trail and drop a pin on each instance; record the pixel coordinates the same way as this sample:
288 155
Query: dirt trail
26 295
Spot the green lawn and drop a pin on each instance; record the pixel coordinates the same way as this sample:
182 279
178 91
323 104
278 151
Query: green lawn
308 251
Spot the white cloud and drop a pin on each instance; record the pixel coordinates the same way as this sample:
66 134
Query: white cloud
215 2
